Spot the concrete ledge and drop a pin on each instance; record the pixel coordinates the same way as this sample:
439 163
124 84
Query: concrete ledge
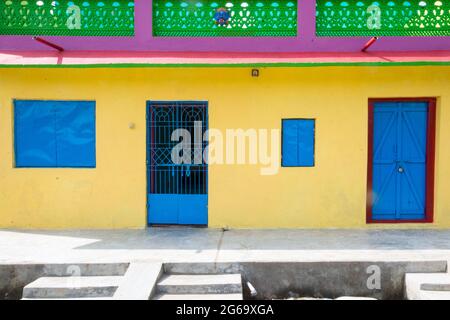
72 287
229 296
201 284
330 279
422 286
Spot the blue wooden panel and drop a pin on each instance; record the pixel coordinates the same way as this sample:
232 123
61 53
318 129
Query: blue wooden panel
306 142
413 160
178 209
298 142
163 208
193 209
290 143
399 160
54 133
75 130
384 160
34 134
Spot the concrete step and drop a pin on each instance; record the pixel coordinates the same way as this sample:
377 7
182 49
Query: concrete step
84 269
202 268
354 298
200 284
229 296
72 287
94 298
427 286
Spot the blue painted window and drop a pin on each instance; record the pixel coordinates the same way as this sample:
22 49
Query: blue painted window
298 142
54 133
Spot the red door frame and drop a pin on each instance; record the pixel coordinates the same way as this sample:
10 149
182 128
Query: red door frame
431 132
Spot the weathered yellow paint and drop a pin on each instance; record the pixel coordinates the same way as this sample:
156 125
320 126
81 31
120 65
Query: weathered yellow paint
113 195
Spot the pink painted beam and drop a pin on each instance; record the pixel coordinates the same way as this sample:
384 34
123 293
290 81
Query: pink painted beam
305 41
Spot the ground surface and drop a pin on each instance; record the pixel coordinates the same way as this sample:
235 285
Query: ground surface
214 245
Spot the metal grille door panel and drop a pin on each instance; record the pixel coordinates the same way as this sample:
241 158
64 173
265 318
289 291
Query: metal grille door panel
177 192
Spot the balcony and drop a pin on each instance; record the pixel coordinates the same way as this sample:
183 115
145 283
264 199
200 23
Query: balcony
245 26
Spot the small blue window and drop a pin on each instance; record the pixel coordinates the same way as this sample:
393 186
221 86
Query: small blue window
54 134
298 143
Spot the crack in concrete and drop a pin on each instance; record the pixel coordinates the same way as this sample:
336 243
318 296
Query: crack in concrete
219 245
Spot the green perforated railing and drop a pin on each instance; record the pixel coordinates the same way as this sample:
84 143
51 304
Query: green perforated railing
383 18
250 18
67 18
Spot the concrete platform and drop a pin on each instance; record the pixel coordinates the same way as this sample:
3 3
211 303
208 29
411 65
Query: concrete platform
178 244
301 260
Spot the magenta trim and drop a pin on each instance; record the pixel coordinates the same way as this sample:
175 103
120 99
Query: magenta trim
306 41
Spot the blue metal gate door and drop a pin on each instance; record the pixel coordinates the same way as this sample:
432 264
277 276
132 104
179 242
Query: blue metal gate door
177 192
399 160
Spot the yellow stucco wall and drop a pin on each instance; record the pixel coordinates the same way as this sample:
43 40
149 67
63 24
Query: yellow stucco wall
113 195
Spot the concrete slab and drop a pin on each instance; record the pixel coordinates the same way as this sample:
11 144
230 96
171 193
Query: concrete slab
72 287
172 280
200 284
213 245
427 286
139 281
92 298
355 298
231 296
61 282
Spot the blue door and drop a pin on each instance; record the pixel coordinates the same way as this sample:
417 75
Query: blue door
177 172
399 160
